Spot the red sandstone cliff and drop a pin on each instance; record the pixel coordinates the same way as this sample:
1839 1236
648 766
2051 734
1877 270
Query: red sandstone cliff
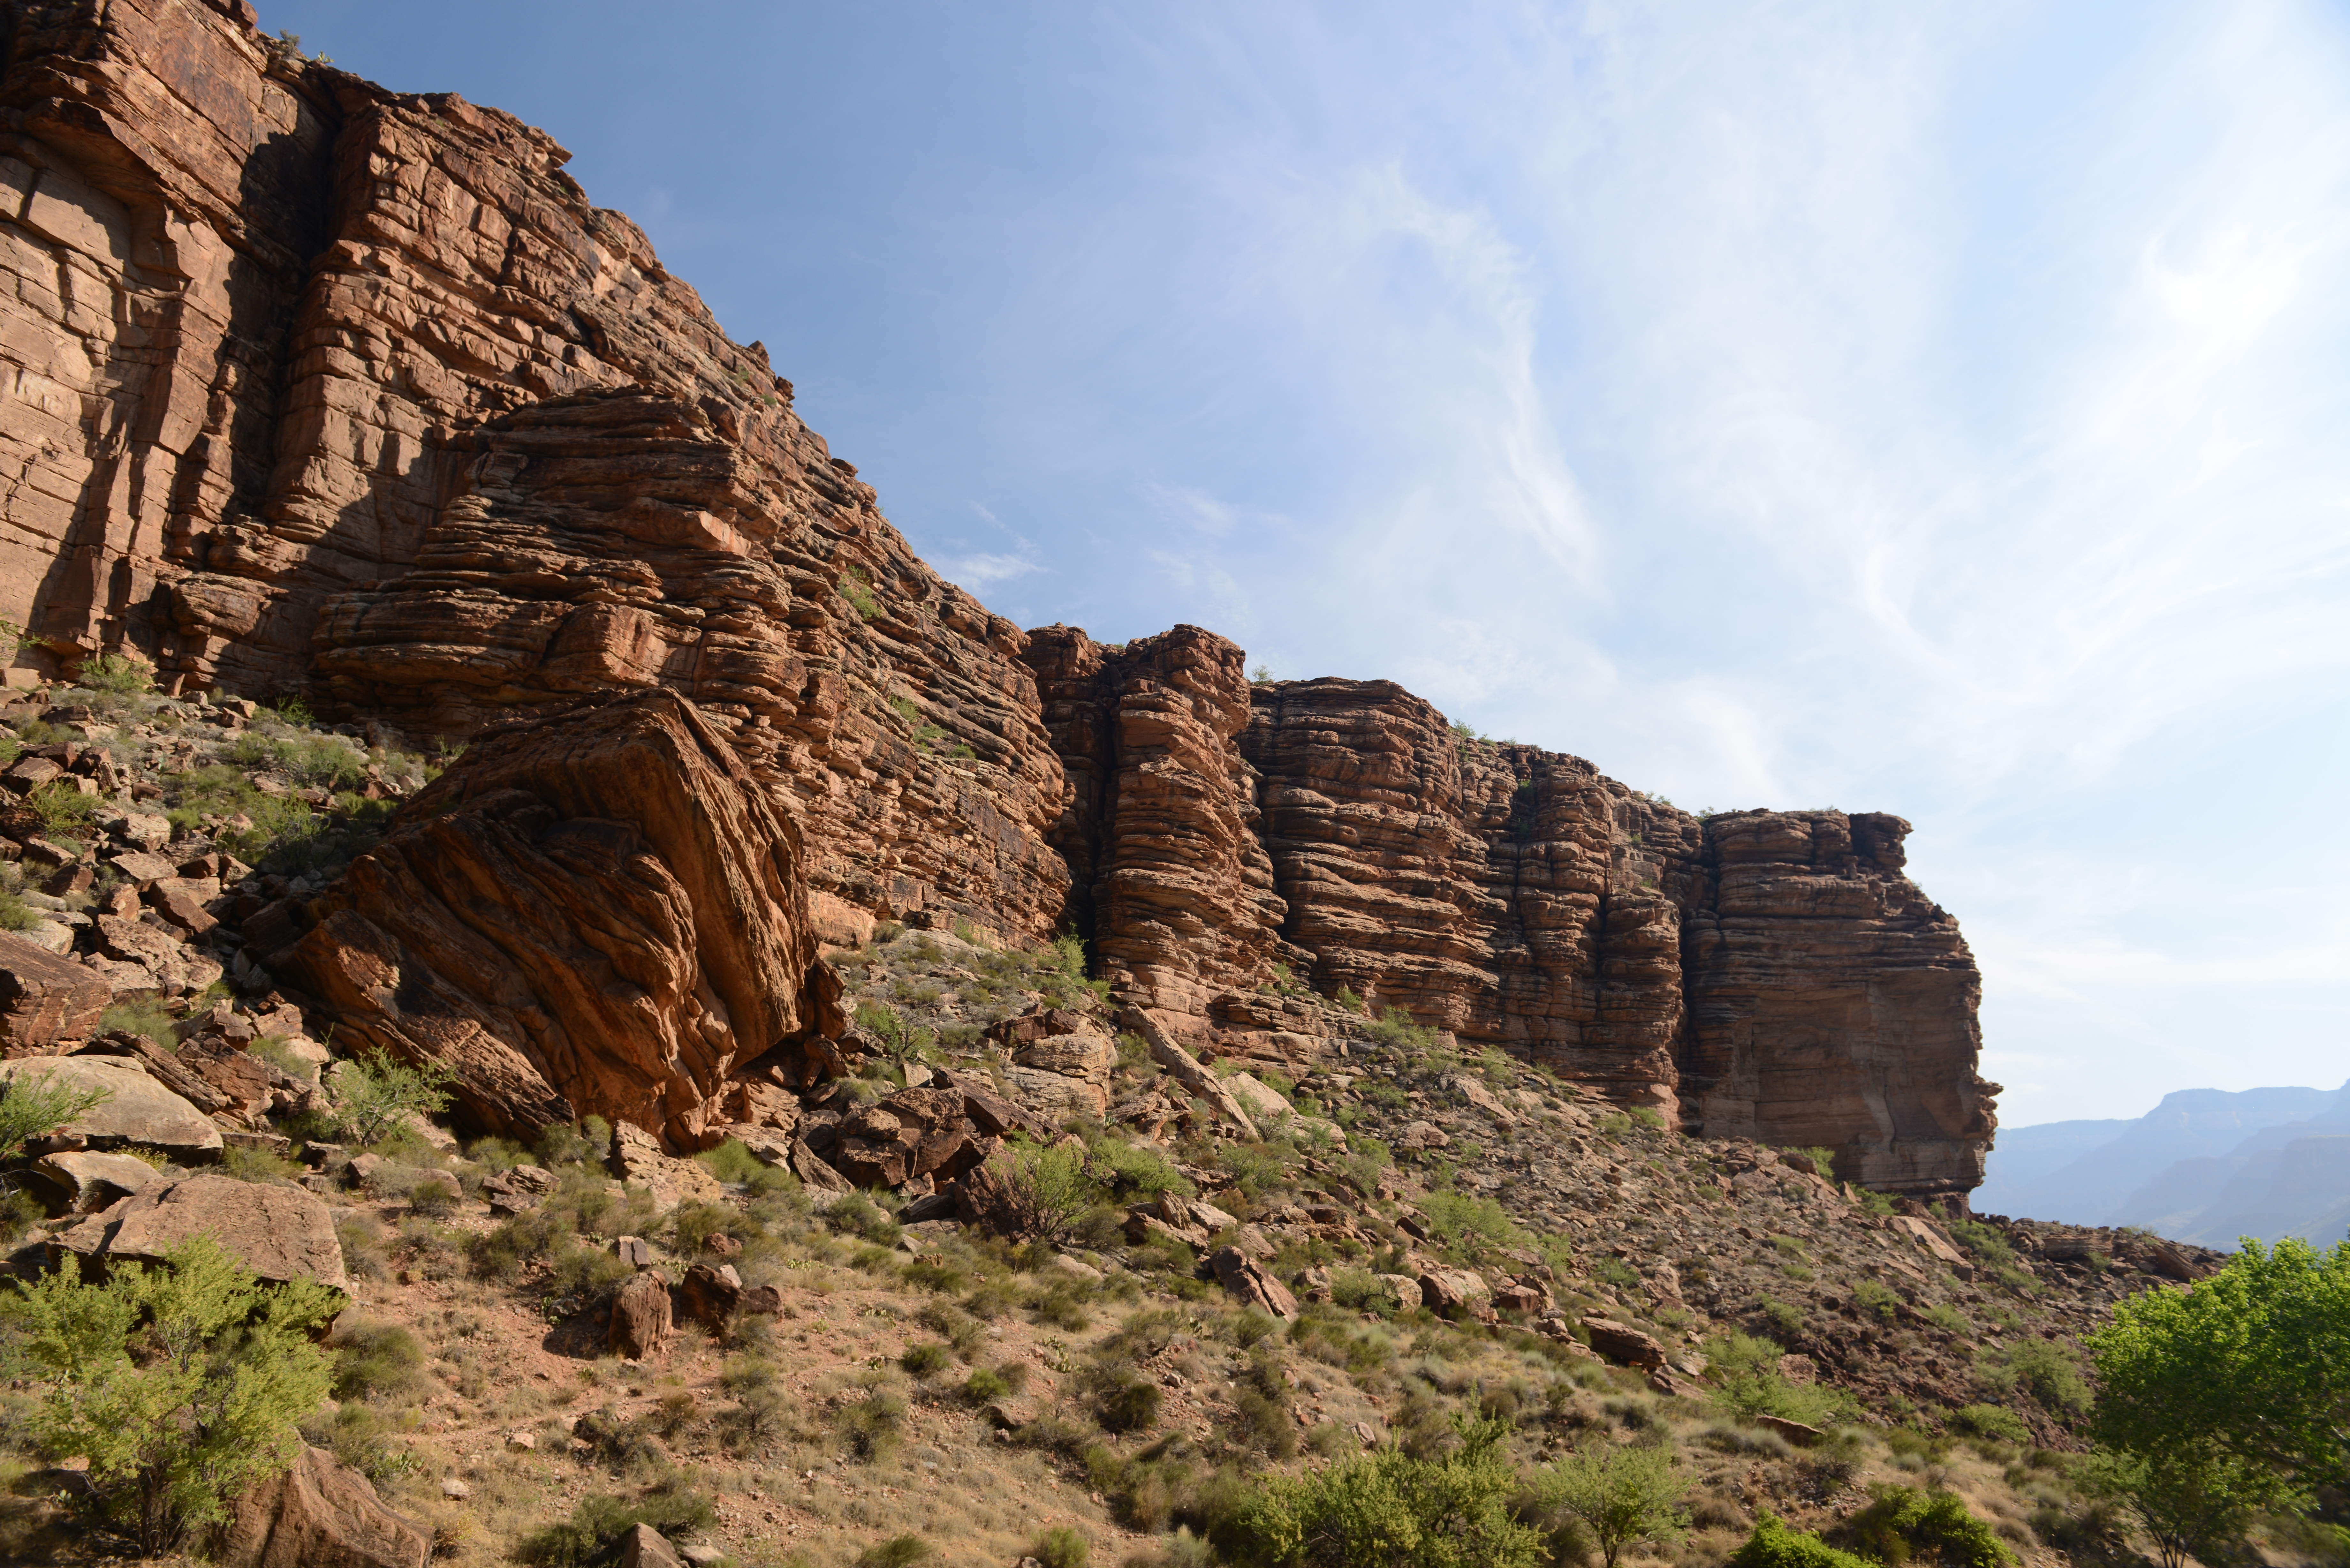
314 387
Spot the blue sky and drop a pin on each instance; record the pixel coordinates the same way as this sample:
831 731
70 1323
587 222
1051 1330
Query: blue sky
1937 408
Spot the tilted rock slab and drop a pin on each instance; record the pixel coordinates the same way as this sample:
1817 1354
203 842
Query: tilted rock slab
281 1233
598 913
45 1002
320 1514
138 1112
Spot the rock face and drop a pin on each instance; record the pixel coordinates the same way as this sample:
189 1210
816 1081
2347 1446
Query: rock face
1758 974
281 1232
137 1111
320 1514
314 387
597 913
46 1002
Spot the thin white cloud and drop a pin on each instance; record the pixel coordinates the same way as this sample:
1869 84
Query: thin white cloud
981 571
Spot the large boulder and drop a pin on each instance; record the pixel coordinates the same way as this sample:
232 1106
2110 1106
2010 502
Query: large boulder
281 1232
137 1111
597 912
914 1132
320 1514
46 1002
83 1183
641 1317
1252 1284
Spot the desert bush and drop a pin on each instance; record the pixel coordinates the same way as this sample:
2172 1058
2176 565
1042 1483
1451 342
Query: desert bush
926 1359
1394 1028
1773 1545
1622 1497
1060 1547
374 1359
672 1506
1903 1522
870 1424
1992 1421
2049 1372
182 1384
1387 1510
375 1096
37 1104
115 674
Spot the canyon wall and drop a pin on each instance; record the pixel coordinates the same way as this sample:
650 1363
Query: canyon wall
1772 975
312 388
316 388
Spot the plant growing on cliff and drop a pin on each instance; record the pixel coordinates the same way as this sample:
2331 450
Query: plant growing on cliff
857 589
181 1385
1395 1030
375 1096
119 675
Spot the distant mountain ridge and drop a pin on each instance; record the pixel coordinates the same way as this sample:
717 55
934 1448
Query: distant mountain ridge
2206 1166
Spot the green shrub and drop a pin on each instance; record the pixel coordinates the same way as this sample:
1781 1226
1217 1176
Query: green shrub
898 1551
16 915
672 1506
1060 1547
1750 1383
1904 1522
1786 1316
1981 1239
374 1359
1877 1301
1622 1496
116 674
1394 1028
2049 1372
37 1104
1468 1223
1132 1168
1388 1510
1773 1545
182 1384
856 587
375 1096
1991 1421
64 811
926 1359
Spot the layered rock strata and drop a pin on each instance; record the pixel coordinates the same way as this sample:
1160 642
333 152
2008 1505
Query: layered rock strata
317 388
1755 974
603 913
320 388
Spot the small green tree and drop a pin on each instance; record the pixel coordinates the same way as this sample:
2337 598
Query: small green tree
116 674
1388 1510
2253 1362
374 1094
1046 1187
34 1105
1623 1496
2194 1500
1904 1522
181 1384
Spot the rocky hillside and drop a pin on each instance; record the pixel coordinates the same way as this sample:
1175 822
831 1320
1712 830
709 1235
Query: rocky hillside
850 1323
318 391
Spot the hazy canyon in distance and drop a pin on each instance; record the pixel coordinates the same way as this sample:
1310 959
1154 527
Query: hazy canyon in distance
2204 1166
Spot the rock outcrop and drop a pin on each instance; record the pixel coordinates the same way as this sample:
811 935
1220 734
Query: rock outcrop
597 913
315 387
1755 974
319 386
320 1514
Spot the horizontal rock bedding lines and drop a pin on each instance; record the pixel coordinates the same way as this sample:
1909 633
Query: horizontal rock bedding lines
422 433
1754 973
325 389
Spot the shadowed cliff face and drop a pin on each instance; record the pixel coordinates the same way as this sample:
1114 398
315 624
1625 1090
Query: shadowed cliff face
312 387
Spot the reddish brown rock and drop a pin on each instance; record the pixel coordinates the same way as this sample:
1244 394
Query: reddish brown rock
320 1514
1160 825
596 913
279 1232
1252 1284
1622 1341
47 1003
710 1296
641 1317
